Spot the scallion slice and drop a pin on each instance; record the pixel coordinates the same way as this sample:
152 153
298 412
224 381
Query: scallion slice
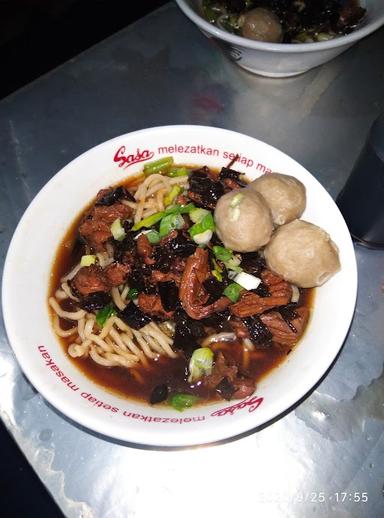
103 314
87 260
173 193
177 171
153 237
232 291
247 281
133 293
206 223
197 215
221 253
169 223
117 230
158 166
149 221
230 260
200 364
179 209
203 238
181 401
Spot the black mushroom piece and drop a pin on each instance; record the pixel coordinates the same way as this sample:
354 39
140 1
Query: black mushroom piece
168 292
259 333
159 394
134 317
203 190
219 321
168 253
181 245
226 174
187 332
235 6
125 250
226 389
289 313
253 263
139 278
214 288
95 301
111 196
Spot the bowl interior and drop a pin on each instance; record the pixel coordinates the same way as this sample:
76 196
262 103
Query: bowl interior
29 263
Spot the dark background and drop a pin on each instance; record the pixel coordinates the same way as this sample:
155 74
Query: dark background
38 35
35 37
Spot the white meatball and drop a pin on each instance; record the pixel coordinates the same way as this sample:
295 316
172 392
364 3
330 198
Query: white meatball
262 25
303 254
243 220
284 194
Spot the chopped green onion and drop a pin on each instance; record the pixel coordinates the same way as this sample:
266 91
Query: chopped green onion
235 202
221 253
230 260
197 215
148 222
133 293
247 281
117 230
155 218
217 271
103 314
161 165
177 171
217 266
181 401
153 237
203 238
169 223
232 291
179 209
87 260
233 264
206 223
217 275
175 191
234 207
200 364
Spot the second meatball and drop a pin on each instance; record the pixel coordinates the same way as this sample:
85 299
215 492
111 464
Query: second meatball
284 194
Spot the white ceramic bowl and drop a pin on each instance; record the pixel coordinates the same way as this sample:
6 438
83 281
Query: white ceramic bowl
29 262
283 59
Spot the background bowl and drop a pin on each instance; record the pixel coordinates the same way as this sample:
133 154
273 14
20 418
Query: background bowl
283 59
32 251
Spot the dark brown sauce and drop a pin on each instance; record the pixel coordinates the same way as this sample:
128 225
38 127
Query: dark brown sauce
139 385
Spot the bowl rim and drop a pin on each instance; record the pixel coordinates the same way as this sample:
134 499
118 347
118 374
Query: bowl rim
210 435
295 48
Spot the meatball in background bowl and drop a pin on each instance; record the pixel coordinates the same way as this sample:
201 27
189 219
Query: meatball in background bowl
59 379
283 59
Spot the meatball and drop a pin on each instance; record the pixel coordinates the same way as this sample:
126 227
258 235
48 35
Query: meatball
243 220
284 194
262 25
303 254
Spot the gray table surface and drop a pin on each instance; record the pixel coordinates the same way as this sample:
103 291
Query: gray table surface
162 70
